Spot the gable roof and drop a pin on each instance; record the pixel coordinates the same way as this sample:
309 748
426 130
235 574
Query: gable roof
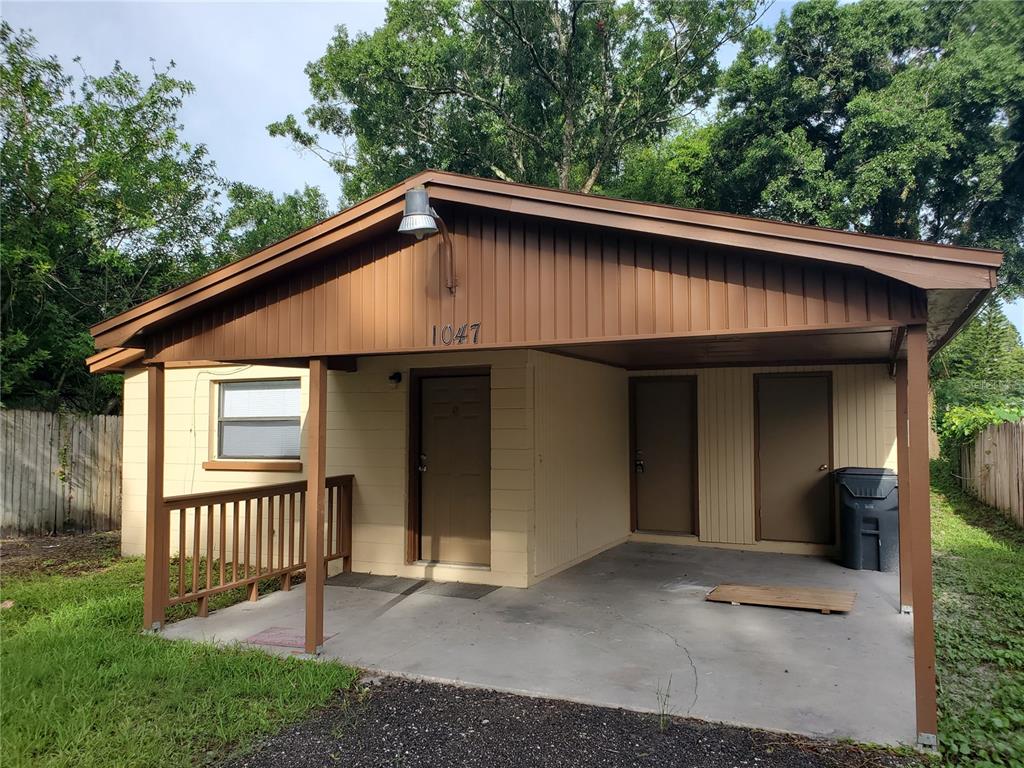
929 266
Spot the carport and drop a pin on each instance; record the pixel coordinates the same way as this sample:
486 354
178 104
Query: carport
621 627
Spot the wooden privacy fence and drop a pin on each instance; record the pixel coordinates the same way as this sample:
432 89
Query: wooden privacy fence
231 539
992 468
60 471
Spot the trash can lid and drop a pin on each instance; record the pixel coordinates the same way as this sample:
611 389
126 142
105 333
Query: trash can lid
867 482
871 471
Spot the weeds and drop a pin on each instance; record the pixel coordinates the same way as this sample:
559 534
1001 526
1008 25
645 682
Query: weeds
979 625
665 709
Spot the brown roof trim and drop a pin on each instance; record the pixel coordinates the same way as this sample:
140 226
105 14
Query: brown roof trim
114 359
123 327
925 265
717 219
954 328
264 254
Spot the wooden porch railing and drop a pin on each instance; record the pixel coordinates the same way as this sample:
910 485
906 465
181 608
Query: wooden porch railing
232 539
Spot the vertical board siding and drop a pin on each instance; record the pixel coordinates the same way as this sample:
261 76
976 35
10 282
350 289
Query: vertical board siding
526 283
864 434
992 468
60 472
581 461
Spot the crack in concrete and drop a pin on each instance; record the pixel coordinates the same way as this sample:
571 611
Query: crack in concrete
659 630
684 649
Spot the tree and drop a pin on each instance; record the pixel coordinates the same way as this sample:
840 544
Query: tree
550 92
102 205
256 219
882 116
674 171
983 364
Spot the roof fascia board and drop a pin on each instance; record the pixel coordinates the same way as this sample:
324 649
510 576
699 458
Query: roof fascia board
694 336
717 220
113 359
123 327
921 273
270 254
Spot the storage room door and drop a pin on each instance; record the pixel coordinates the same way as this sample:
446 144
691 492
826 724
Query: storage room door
665 454
794 454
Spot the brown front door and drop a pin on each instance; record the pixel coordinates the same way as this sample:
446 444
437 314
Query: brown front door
454 470
665 454
794 454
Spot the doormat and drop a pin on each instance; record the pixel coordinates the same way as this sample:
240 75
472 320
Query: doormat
805 598
397 585
281 637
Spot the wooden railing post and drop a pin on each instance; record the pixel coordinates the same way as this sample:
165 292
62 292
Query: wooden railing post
316 478
346 523
903 475
155 584
920 533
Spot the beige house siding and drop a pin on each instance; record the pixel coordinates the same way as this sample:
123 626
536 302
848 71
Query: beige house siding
188 393
582 469
864 434
559 453
367 433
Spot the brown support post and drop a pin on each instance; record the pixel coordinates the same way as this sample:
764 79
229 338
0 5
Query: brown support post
920 533
157 545
906 555
316 442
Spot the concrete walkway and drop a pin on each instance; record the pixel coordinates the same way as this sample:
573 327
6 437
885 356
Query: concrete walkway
618 628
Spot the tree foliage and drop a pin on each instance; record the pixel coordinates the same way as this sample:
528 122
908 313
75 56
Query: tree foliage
882 116
672 172
980 370
551 92
879 116
256 218
102 205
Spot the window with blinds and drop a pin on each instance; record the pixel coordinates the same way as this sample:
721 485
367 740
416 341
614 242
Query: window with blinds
259 419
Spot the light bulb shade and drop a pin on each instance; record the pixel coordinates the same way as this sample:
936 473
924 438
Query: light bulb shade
419 216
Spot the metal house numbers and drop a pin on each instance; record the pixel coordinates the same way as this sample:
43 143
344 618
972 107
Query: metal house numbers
449 335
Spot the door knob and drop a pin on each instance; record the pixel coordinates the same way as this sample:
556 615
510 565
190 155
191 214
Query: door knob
823 468
423 463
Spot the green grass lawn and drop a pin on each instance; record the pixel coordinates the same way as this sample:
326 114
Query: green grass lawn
979 625
81 686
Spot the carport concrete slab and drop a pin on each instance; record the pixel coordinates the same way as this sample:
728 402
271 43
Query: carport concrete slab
627 623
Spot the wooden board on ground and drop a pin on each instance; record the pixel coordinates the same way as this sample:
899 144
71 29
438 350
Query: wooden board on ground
806 598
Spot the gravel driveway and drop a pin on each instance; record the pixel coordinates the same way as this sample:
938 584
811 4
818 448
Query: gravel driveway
400 723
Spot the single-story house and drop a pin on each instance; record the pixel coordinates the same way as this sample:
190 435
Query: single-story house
470 380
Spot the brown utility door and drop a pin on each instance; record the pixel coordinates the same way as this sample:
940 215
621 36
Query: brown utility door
455 470
794 454
665 454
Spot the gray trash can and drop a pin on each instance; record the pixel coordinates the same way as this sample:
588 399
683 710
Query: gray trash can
869 525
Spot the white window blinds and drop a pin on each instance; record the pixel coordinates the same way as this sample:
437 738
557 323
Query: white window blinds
259 419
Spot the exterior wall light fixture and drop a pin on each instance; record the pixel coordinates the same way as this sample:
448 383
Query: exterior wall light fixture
420 220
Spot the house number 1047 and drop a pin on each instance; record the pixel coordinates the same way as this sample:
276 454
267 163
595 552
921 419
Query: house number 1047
450 335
